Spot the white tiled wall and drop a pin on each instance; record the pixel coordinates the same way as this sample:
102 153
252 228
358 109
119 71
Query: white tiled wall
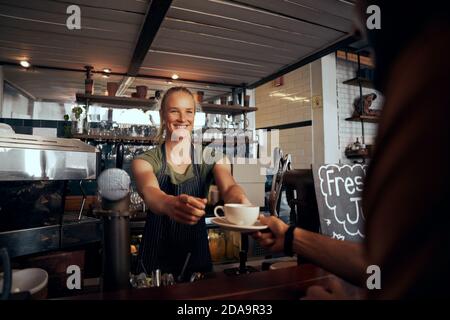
286 104
298 143
275 108
346 94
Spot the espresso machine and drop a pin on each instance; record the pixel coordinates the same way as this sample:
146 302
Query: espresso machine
34 171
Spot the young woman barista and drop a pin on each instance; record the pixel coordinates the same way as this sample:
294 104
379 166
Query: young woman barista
174 186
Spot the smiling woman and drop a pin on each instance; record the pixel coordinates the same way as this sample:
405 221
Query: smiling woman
176 101
174 186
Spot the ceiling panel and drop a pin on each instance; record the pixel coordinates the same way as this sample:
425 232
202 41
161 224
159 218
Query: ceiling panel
339 8
217 41
236 36
61 60
245 16
329 13
62 85
153 84
46 21
193 41
203 44
43 39
133 6
213 76
42 49
36 30
245 27
52 84
178 62
104 12
242 38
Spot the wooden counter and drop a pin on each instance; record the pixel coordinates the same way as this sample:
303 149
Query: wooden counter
283 284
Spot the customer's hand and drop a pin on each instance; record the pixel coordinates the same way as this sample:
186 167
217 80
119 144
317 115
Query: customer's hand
273 240
334 289
185 209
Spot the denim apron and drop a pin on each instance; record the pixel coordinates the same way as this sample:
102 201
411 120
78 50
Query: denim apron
165 242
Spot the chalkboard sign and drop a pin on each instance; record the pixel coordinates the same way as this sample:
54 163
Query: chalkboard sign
339 195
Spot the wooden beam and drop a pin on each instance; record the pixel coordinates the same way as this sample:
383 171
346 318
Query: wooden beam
153 19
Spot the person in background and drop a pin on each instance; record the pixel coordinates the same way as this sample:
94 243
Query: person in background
174 184
406 194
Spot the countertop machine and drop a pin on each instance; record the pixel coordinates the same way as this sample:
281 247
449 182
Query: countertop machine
34 171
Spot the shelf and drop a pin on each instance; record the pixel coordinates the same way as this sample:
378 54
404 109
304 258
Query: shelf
219 141
125 102
352 154
366 83
226 109
139 140
91 137
120 102
371 119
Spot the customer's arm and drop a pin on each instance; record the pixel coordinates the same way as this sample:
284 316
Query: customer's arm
183 208
229 190
344 258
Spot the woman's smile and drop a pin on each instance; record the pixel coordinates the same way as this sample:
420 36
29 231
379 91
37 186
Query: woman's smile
179 115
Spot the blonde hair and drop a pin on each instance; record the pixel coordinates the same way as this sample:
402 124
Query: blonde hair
160 137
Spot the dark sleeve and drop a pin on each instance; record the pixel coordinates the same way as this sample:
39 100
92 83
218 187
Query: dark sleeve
406 195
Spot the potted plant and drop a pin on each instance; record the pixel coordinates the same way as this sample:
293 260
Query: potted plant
67 127
78 116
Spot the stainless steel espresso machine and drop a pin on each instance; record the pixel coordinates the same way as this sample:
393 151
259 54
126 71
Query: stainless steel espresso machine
33 174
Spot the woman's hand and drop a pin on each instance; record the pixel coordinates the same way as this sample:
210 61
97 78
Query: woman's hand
185 209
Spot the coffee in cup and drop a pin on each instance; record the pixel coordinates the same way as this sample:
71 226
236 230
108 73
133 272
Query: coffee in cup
239 214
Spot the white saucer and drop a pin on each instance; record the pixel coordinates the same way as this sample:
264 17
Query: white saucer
224 224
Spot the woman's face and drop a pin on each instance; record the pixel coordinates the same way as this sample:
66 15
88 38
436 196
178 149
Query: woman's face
179 115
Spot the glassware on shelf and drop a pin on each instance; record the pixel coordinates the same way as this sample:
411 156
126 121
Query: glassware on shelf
217 245
136 202
233 244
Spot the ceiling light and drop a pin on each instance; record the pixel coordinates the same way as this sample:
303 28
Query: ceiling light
105 75
175 76
25 63
169 82
107 70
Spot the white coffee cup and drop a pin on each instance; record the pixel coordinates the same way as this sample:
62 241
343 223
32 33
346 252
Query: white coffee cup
239 214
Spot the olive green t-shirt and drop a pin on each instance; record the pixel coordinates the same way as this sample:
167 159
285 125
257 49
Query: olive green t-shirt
208 159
